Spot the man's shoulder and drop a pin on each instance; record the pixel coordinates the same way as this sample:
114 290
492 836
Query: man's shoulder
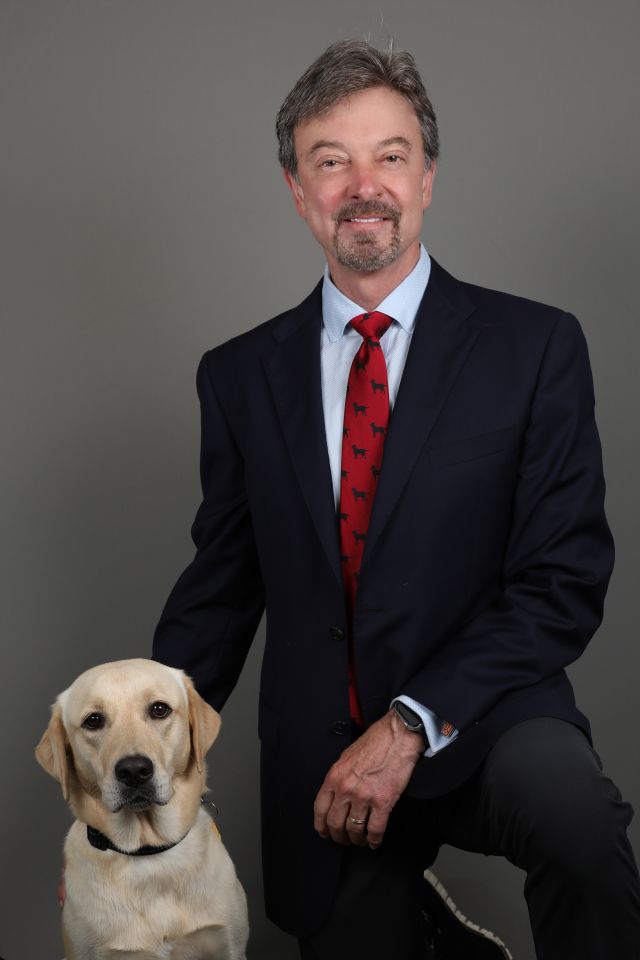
497 306
257 339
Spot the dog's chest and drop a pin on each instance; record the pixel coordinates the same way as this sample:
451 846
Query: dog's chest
139 903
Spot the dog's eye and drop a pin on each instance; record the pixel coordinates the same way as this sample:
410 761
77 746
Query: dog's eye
93 722
159 710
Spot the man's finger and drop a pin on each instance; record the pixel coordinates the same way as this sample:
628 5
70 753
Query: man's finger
321 808
376 827
338 819
357 827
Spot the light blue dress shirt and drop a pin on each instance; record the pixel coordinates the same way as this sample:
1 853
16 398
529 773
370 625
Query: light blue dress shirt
338 346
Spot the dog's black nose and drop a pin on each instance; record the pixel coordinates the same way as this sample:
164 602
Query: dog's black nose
134 771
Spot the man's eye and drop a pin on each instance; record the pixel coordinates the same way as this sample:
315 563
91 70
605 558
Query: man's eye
393 158
329 163
93 722
159 710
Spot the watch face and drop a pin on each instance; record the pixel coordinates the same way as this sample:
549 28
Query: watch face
409 717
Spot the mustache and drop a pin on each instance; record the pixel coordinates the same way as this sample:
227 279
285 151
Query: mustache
369 208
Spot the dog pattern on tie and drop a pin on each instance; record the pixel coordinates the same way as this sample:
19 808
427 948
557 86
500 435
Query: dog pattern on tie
366 418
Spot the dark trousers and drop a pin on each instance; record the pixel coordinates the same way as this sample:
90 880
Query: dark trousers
541 800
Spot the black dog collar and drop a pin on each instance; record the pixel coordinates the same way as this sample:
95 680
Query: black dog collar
100 842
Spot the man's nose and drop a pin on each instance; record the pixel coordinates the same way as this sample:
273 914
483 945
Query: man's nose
365 182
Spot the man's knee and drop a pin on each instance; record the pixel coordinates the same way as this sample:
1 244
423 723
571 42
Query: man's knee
578 835
549 801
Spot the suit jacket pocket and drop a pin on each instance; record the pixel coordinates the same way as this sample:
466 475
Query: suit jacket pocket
473 448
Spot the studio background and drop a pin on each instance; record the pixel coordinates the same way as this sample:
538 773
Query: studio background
143 220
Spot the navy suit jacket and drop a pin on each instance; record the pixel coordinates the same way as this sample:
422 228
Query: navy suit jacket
486 564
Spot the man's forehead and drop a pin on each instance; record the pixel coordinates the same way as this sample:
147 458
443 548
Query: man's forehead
375 108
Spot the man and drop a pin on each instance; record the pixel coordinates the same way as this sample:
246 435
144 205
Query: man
405 470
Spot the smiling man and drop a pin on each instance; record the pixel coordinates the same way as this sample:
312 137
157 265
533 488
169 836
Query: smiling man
405 471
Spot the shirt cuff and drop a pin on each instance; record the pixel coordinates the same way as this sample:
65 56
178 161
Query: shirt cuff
433 725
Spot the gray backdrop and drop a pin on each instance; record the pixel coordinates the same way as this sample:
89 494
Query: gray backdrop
143 219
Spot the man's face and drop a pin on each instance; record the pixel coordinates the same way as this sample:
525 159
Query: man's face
362 184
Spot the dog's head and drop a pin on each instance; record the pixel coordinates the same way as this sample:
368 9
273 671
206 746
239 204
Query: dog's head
126 734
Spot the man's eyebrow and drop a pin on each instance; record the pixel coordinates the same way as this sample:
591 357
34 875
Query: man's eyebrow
338 145
321 144
400 140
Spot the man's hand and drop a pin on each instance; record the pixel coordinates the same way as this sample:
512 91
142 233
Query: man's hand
366 782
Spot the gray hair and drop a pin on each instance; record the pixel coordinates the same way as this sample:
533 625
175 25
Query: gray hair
347 67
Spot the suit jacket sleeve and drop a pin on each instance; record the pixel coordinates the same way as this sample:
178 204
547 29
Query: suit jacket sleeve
212 613
558 558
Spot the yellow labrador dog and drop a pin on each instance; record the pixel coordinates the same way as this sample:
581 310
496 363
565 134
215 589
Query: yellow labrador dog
147 876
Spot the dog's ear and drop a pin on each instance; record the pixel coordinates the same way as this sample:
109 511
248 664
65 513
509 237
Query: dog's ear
204 723
52 752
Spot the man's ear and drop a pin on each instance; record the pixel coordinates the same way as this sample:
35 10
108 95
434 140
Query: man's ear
428 177
53 751
204 723
296 191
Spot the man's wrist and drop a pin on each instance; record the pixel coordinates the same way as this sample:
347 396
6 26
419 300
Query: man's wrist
408 716
439 733
415 739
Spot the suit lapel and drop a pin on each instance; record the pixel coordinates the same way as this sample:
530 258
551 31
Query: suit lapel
441 342
293 370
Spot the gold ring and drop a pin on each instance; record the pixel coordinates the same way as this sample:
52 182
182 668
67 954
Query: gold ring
358 823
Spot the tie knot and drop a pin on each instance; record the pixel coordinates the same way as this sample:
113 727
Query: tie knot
373 324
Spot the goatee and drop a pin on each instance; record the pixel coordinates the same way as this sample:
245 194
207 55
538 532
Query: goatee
364 252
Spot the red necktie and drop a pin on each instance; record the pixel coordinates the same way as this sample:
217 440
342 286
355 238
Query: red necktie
366 418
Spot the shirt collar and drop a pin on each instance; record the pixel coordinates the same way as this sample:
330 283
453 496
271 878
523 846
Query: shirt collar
401 304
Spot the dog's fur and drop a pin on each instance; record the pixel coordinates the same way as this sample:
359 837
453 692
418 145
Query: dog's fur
185 903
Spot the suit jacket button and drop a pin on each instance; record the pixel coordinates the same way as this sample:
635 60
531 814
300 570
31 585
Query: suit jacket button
340 727
336 633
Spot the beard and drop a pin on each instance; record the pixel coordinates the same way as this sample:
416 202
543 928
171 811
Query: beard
363 251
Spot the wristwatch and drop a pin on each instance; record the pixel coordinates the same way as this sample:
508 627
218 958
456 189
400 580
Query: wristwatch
409 717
